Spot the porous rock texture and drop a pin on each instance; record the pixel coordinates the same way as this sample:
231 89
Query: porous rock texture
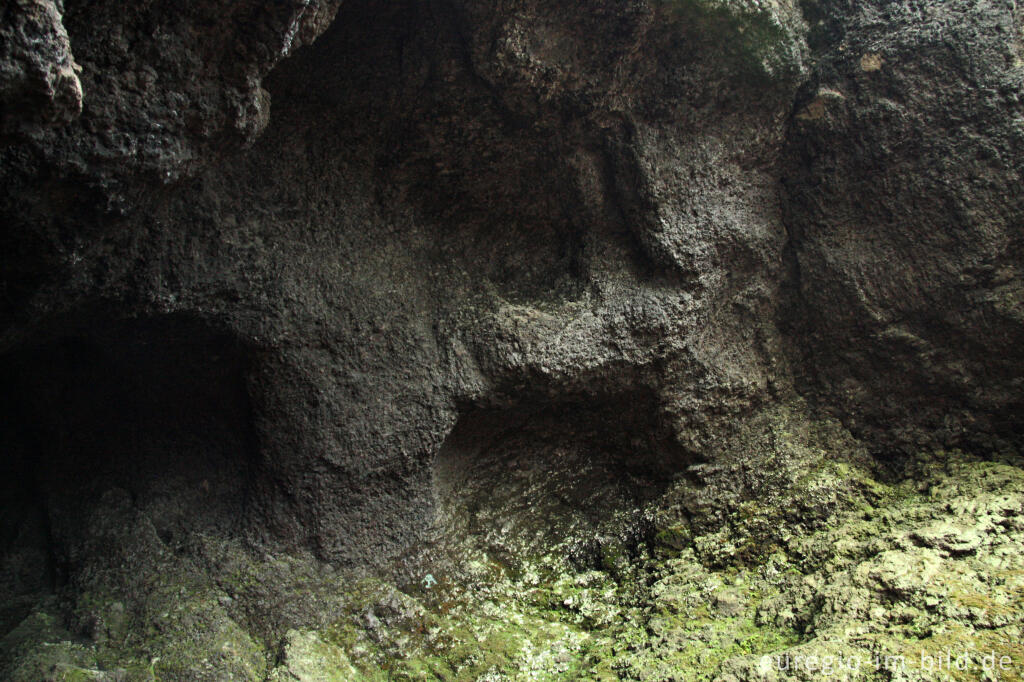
297 291
903 203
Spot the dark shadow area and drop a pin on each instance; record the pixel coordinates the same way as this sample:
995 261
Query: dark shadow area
498 196
526 478
155 407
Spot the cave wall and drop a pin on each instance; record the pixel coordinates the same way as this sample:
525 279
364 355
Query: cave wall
904 209
442 208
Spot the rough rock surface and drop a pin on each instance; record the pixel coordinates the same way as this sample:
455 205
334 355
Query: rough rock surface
903 202
512 294
38 74
454 209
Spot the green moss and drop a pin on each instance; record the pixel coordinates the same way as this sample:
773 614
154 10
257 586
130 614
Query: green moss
699 619
754 39
789 543
674 538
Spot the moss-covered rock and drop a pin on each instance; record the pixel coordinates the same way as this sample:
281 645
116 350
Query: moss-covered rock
756 38
308 657
882 583
791 556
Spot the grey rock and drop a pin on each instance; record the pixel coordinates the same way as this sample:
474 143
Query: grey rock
39 84
903 211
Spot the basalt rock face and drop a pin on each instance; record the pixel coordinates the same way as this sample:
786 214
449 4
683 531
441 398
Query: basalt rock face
454 208
39 81
320 301
903 203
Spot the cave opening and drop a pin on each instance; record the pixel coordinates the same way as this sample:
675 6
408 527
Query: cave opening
155 407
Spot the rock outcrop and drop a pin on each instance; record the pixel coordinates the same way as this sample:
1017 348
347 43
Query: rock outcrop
905 159
40 85
293 288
